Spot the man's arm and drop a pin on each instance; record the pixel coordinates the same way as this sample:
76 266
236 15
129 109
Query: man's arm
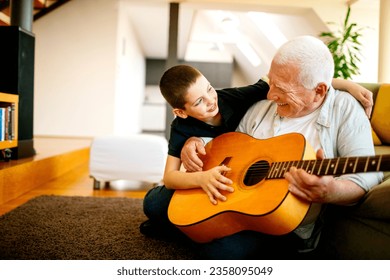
353 138
189 154
322 189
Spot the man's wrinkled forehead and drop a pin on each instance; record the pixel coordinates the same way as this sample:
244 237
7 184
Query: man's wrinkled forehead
283 72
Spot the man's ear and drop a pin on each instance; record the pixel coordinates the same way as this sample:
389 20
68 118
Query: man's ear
321 90
180 113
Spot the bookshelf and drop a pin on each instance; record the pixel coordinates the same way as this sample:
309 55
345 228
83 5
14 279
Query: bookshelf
17 78
9 110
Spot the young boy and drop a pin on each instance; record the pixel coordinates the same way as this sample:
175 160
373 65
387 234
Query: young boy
203 111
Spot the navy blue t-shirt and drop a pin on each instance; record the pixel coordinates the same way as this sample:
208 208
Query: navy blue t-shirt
233 104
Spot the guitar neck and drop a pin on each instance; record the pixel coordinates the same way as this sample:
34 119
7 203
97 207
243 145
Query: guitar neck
333 166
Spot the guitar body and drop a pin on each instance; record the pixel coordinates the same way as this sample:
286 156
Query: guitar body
260 204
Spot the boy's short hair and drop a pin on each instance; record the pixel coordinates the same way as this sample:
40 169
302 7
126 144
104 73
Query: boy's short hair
175 82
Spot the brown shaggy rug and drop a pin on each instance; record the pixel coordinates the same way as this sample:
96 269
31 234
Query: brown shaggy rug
82 228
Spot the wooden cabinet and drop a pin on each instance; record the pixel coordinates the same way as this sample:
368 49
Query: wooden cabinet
9 110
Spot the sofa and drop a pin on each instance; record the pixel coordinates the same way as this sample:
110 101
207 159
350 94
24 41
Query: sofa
362 231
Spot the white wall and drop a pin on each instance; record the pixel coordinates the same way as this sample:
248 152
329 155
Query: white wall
83 78
130 79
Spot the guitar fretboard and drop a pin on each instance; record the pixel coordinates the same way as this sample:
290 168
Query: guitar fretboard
334 166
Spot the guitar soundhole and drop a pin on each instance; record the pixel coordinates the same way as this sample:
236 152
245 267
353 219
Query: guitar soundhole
257 172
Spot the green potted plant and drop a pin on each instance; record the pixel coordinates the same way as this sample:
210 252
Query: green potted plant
345 47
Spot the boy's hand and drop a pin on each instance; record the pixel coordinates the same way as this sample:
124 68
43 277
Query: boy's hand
367 101
189 154
213 181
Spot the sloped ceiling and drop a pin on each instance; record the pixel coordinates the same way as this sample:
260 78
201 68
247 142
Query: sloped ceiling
226 30
40 8
219 30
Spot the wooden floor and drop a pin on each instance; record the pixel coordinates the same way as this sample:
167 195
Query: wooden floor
75 182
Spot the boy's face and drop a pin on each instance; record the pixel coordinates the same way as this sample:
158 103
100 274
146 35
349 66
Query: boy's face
201 101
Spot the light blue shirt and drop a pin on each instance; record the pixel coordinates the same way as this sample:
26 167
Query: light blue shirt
343 129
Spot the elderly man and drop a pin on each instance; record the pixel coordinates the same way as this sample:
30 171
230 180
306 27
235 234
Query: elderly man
301 99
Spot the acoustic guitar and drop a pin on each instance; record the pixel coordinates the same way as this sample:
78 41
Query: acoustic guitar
261 200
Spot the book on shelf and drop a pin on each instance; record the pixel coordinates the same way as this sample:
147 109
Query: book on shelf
7 121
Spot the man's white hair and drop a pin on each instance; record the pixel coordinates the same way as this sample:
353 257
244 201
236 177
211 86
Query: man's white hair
313 58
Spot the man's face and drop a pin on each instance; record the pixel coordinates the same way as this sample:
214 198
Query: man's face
293 100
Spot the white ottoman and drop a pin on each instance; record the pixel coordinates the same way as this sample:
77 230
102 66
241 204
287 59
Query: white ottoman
138 157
